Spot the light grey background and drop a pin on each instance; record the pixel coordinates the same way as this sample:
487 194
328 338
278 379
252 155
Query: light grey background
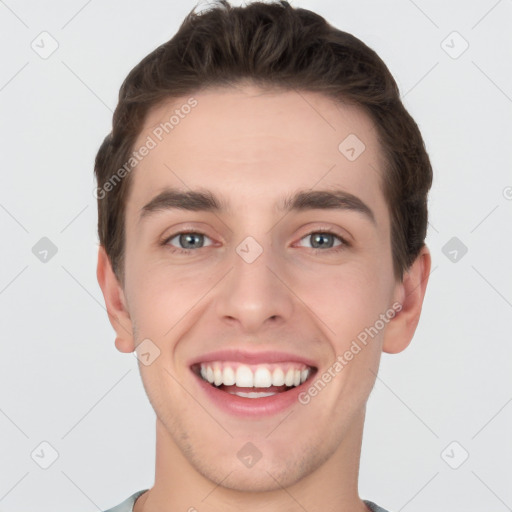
64 383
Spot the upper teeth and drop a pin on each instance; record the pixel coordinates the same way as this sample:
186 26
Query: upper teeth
258 376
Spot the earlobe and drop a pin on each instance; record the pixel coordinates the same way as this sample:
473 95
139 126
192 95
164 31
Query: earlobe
115 302
410 294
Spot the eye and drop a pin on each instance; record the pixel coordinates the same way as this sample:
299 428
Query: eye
188 240
324 240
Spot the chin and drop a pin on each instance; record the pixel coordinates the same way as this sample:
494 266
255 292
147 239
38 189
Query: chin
266 475
256 480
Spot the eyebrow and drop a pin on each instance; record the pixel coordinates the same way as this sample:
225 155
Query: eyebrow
205 200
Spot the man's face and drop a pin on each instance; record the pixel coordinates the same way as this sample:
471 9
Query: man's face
259 283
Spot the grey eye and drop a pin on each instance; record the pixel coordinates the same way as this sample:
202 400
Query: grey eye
189 240
321 240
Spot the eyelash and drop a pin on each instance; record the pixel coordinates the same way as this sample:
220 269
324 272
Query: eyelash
177 250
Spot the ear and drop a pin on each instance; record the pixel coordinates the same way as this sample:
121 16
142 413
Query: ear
410 294
116 303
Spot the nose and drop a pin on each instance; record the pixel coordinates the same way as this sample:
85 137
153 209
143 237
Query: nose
255 292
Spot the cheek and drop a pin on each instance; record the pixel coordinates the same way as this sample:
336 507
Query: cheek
347 298
162 296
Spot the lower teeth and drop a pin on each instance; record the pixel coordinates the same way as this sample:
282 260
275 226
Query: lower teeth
251 394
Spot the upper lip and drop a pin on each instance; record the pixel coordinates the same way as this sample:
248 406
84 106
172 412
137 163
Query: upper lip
248 357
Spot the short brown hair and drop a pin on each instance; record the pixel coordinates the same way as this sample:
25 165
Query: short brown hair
272 45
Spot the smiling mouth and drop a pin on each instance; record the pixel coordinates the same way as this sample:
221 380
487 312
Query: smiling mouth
253 381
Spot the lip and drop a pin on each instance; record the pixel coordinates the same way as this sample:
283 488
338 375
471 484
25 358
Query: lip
252 407
248 357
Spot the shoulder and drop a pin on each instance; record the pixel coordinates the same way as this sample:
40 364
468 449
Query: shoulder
372 506
127 504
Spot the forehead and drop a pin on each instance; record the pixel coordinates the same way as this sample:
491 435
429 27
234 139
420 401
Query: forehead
250 145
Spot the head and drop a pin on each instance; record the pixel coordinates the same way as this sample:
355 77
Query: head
247 106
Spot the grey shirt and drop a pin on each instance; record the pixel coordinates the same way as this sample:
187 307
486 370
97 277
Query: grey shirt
127 504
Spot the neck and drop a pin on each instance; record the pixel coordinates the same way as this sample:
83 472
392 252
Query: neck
179 486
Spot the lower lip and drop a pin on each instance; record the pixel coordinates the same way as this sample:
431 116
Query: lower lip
241 406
